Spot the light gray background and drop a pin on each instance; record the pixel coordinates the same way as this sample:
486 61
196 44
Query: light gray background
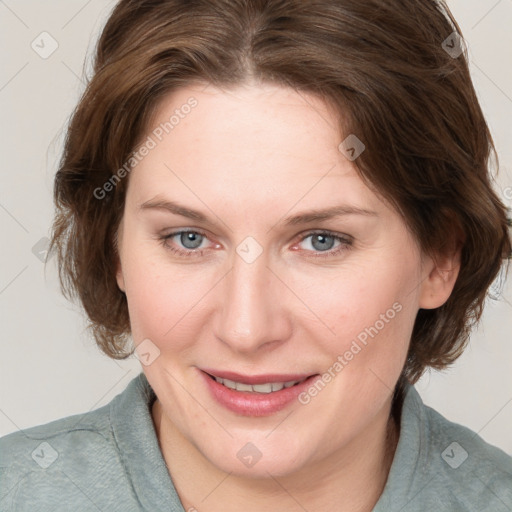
50 367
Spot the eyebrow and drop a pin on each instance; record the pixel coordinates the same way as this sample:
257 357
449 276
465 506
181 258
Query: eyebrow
177 209
326 214
315 215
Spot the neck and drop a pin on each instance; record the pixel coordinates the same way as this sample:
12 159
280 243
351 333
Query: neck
351 479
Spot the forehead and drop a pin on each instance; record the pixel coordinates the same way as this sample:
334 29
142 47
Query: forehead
258 142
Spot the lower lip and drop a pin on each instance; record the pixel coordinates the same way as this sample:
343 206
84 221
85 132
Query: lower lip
255 404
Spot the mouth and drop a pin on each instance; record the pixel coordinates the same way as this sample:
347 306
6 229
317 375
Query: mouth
264 388
260 395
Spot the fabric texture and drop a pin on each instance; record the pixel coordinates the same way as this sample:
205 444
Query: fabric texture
109 460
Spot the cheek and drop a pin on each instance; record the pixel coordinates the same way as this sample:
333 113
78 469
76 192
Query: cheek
371 308
164 301
361 302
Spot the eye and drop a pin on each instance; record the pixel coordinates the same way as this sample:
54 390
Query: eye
190 239
190 243
185 242
325 243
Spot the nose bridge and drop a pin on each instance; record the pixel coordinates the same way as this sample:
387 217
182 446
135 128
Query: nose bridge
250 314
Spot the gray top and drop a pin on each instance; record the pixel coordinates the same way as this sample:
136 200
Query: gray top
109 460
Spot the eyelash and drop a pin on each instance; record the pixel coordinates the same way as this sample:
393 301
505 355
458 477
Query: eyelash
345 243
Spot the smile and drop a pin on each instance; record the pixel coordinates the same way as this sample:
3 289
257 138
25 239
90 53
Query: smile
268 387
261 395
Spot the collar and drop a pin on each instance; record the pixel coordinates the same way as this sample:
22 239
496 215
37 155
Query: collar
139 451
411 453
143 461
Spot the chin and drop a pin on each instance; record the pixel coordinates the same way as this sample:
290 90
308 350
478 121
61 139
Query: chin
258 458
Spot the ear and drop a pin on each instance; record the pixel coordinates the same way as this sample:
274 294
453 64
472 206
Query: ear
120 277
442 271
119 268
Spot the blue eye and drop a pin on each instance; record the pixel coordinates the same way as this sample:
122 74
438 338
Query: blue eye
190 240
325 242
189 243
322 242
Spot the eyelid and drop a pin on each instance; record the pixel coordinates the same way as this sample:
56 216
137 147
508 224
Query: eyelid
184 230
327 232
185 253
345 241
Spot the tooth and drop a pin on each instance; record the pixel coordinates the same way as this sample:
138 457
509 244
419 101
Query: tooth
263 388
257 388
229 384
243 387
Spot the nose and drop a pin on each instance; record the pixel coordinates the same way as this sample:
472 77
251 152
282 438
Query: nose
252 309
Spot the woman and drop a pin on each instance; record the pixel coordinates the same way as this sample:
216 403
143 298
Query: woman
286 205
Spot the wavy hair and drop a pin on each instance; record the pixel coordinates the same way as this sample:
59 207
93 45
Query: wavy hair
386 64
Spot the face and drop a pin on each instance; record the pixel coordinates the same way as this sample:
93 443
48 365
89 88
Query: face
251 251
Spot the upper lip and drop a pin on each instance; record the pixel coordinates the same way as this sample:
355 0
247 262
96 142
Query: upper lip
257 379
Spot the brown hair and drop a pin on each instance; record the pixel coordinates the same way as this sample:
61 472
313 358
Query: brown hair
384 62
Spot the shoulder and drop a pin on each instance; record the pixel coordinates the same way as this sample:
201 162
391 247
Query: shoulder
48 456
69 460
21 448
475 473
443 466
95 422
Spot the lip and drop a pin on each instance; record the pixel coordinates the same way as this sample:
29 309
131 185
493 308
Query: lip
255 404
256 379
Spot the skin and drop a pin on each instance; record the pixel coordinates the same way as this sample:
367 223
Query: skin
247 158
